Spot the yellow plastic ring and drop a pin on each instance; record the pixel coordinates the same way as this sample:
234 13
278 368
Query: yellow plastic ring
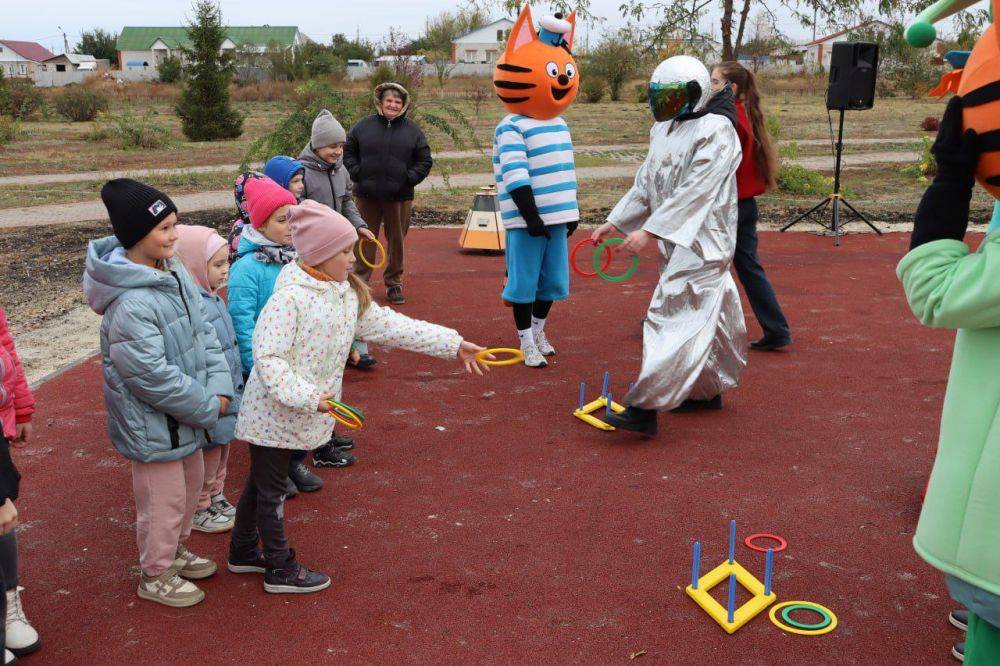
345 415
378 247
517 356
773 614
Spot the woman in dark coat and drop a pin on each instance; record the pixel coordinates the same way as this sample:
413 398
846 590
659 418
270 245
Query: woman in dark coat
387 156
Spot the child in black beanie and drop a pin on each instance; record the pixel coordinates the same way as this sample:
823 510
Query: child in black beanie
166 380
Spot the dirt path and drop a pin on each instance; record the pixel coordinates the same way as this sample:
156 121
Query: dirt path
34 179
94 210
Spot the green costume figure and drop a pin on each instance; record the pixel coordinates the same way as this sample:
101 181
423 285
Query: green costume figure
948 286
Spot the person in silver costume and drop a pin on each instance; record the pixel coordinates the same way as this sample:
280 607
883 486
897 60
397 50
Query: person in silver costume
684 197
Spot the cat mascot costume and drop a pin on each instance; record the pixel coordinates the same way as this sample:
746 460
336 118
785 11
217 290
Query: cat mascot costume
536 79
949 286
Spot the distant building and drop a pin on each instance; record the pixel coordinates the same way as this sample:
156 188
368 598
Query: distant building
141 47
816 54
22 59
481 46
74 62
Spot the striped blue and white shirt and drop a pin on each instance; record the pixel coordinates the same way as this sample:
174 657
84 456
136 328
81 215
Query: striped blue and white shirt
538 153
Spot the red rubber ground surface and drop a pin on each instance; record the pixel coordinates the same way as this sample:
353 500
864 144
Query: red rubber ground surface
519 534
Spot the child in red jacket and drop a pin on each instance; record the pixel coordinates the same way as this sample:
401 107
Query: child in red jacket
16 407
756 174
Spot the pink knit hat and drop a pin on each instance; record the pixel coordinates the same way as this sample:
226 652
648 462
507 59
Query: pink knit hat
318 232
195 246
263 197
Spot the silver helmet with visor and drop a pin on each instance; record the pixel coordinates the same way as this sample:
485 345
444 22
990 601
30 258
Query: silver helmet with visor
679 85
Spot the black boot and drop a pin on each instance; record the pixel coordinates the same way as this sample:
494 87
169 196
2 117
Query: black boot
697 405
642 421
770 344
303 478
293 578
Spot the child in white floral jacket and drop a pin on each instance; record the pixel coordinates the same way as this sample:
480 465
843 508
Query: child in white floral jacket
300 346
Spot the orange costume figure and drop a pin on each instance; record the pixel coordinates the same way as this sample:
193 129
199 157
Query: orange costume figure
536 78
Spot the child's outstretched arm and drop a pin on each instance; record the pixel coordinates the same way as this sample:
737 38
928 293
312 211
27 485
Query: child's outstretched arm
273 341
137 352
385 326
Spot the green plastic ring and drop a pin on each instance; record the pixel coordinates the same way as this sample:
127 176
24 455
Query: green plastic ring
613 278
786 615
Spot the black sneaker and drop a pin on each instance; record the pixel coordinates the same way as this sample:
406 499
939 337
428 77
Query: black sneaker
339 442
294 579
254 563
642 421
960 619
330 456
303 478
290 489
958 651
395 295
770 344
689 406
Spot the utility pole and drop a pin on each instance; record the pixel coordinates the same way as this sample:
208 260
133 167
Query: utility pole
65 41
815 15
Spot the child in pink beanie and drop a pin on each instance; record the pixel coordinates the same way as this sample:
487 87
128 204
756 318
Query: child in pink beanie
206 256
304 335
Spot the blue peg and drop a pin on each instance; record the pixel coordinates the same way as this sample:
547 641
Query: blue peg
696 565
732 540
607 383
768 567
607 406
583 391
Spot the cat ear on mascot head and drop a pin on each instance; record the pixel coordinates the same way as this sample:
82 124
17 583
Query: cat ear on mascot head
522 33
571 19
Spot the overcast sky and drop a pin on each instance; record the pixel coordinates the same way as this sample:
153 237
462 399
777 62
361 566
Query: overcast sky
319 20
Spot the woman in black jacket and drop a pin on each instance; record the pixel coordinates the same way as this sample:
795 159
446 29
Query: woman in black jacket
387 156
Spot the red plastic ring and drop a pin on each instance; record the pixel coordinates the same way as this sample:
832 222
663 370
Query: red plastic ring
782 544
576 248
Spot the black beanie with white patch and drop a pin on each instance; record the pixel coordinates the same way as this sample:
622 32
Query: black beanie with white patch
134 208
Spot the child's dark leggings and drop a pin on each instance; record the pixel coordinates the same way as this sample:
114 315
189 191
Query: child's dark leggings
260 513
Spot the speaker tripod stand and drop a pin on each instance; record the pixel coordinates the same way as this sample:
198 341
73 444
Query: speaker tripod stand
835 198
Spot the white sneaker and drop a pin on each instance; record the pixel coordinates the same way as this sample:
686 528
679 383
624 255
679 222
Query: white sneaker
542 343
222 505
532 357
169 589
211 521
22 638
9 658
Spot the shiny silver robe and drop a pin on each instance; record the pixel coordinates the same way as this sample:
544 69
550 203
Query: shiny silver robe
694 340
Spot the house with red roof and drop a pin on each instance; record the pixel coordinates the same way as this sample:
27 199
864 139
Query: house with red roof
22 59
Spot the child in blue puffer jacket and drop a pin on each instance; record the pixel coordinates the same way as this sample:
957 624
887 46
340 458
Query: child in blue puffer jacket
205 255
166 381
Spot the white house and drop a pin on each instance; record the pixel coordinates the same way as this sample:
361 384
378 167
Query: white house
22 59
146 47
73 62
481 46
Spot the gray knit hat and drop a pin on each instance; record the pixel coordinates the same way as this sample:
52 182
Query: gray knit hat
326 130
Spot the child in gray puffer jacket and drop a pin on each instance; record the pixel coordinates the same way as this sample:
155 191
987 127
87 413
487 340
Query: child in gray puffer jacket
166 380
206 256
